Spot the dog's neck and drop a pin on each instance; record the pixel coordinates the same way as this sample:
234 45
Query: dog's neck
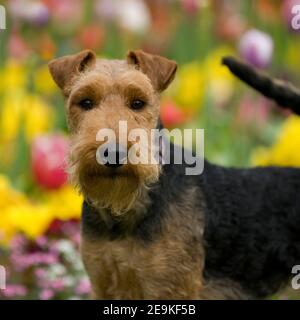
128 218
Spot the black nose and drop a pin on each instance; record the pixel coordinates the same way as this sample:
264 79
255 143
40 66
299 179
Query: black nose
115 155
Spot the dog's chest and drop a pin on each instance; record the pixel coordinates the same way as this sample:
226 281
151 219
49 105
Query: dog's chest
127 269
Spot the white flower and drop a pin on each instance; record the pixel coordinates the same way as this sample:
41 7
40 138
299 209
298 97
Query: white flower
134 15
65 246
57 270
256 47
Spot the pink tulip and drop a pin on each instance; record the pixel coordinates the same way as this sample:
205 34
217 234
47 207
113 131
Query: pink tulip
256 47
17 47
66 12
191 6
48 160
254 111
106 9
229 26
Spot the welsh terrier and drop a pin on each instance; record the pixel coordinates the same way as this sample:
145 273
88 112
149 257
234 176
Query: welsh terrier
149 231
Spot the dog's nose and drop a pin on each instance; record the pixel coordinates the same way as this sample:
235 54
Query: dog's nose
115 155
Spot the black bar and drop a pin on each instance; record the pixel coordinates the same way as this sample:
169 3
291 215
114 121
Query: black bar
93 310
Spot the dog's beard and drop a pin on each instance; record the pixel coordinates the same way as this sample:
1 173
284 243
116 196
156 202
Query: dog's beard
116 190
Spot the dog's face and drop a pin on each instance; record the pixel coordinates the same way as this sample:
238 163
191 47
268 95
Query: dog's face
99 94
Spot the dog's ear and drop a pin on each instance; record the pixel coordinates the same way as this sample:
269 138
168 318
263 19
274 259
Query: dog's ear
65 68
160 71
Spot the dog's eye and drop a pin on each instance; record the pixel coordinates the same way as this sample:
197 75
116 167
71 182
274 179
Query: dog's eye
86 104
137 104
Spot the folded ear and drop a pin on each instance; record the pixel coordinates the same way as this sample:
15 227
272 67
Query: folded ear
160 71
65 68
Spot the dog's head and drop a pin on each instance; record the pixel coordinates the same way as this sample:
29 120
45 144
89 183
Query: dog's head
111 107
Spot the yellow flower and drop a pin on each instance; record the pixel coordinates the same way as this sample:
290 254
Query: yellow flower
13 76
33 220
7 230
194 78
285 151
8 198
38 116
220 81
11 114
43 81
292 56
19 214
190 86
20 108
65 204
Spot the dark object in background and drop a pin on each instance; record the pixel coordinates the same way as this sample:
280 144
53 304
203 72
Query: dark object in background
285 94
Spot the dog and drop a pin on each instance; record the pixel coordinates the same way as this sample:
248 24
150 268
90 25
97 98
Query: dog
153 232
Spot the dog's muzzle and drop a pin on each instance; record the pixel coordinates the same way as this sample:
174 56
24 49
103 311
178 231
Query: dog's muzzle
113 155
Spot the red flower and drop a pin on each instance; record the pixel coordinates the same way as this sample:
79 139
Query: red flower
48 160
171 115
91 37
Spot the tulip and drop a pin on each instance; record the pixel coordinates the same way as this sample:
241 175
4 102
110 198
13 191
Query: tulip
91 37
48 161
134 16
191 6
256 48
255 112
171 115
37 14
131 15
66 14
17 46
34 12
107 9
229 27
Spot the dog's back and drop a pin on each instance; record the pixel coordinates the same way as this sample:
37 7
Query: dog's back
252 225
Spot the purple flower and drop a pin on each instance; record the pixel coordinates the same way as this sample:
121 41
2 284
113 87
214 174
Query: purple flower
42 241
24 261
256 47
107 9
14 291
38 14
57 284
40 273
83 287
46 294
34 12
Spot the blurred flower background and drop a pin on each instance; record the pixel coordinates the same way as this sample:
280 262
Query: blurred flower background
39 211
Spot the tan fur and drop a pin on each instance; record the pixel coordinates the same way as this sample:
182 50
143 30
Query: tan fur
111 84
171 265
164 269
